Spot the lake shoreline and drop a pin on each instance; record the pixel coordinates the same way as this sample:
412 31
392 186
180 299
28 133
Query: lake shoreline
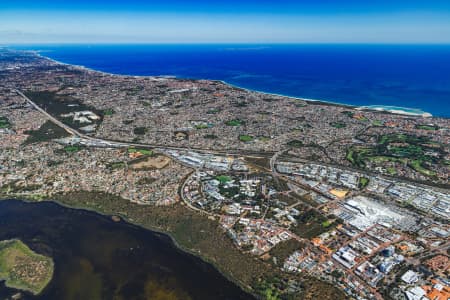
128 222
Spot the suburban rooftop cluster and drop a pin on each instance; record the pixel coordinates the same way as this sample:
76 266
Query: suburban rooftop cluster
353 197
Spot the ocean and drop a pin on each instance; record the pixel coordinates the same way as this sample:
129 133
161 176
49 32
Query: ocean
413 77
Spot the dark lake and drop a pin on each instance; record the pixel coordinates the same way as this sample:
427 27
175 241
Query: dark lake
97 258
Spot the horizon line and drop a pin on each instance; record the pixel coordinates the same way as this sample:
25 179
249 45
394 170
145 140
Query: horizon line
221 43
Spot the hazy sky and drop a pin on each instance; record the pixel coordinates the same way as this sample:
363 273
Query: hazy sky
244 21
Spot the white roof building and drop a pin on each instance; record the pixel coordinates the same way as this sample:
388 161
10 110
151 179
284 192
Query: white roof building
416 293
410 277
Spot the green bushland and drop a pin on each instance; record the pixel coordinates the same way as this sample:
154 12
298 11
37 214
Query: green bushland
240 104
401 137
310 224
47 132
417 166
391 171
116 165
406 151
326 224
59 104
427 127
269 288
338 125
278 288
210 136
348 113
72 149
363 182
377 123
22 268
295 144
284 249
108 112
223 178
140 130
337 273
413 151
245 138
4 123
12 187
235 122
201 126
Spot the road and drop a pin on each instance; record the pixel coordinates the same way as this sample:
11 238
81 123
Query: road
120 144
162 148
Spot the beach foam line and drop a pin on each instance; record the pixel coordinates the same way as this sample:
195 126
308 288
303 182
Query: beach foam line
398 110
380 108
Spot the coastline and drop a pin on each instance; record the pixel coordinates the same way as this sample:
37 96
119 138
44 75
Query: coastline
375 108
130 222
396 110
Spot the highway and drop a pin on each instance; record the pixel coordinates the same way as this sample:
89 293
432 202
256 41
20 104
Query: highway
121 144
273 154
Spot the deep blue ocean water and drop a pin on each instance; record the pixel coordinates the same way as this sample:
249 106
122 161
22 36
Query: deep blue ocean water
410 76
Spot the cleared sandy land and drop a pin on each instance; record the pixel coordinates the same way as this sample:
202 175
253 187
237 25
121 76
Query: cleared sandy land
152 162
